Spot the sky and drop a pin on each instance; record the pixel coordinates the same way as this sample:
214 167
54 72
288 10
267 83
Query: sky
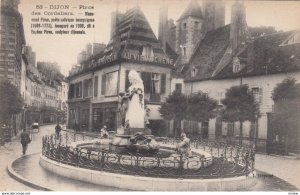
63 49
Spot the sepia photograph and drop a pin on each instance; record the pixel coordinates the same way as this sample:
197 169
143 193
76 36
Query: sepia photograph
149 95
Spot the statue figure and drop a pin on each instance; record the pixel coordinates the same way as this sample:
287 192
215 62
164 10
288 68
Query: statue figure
135 114
184 148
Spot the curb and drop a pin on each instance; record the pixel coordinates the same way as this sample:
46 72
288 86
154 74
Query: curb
23 180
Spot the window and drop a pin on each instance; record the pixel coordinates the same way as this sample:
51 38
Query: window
147 52
257 93
178 87
236 65
194 71
87 88
220 97
230 129
109 85
184 26
78 90
155 81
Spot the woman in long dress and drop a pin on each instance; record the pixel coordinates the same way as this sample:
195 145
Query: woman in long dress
135 115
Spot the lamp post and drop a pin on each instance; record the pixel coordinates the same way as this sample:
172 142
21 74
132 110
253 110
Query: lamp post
255 131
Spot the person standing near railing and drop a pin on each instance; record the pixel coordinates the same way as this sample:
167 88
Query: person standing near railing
57 130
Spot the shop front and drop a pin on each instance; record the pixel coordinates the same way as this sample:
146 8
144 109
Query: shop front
79 112
105 114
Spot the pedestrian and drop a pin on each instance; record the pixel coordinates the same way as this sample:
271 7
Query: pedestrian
57 130
25 140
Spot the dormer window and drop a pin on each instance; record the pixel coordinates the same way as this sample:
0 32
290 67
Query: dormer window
194 71
147 51
236 65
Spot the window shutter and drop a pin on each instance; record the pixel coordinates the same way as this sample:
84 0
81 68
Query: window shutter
80 89
146 77
163 83
103 84
260 95
96 86
126 80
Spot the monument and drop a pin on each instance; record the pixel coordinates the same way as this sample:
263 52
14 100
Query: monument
131 133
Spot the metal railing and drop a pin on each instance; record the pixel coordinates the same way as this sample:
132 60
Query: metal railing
227 160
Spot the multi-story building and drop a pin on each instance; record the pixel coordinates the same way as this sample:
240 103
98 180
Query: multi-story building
94 89
12 42
229 56
45 98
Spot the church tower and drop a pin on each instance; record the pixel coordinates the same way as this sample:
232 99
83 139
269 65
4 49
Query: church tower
189 31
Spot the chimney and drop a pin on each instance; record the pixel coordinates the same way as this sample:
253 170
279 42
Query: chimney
163 26
238 27
113 24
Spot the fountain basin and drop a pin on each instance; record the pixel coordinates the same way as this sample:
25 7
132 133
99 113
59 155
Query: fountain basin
141 183
166 153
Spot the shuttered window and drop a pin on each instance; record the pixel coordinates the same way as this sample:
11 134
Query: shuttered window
163 83
96 86
103 84
146 77
260 99
126 80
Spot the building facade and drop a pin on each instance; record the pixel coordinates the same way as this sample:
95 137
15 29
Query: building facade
94 89
230 56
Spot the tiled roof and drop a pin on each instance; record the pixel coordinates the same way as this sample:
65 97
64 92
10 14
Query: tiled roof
134 32
209 53
264 55
193 10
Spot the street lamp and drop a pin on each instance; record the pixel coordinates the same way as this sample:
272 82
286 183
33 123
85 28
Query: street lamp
255 130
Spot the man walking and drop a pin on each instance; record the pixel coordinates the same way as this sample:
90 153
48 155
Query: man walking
57 130
25 140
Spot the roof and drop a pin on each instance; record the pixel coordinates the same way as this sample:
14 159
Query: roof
264 55
209 53
192 10
134 32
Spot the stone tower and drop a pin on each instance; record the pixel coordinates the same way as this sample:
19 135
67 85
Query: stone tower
238 28
189 31
214 14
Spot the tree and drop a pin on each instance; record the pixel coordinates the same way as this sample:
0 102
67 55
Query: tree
200 107
11 101
174 108
286 90
286 96
240 105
